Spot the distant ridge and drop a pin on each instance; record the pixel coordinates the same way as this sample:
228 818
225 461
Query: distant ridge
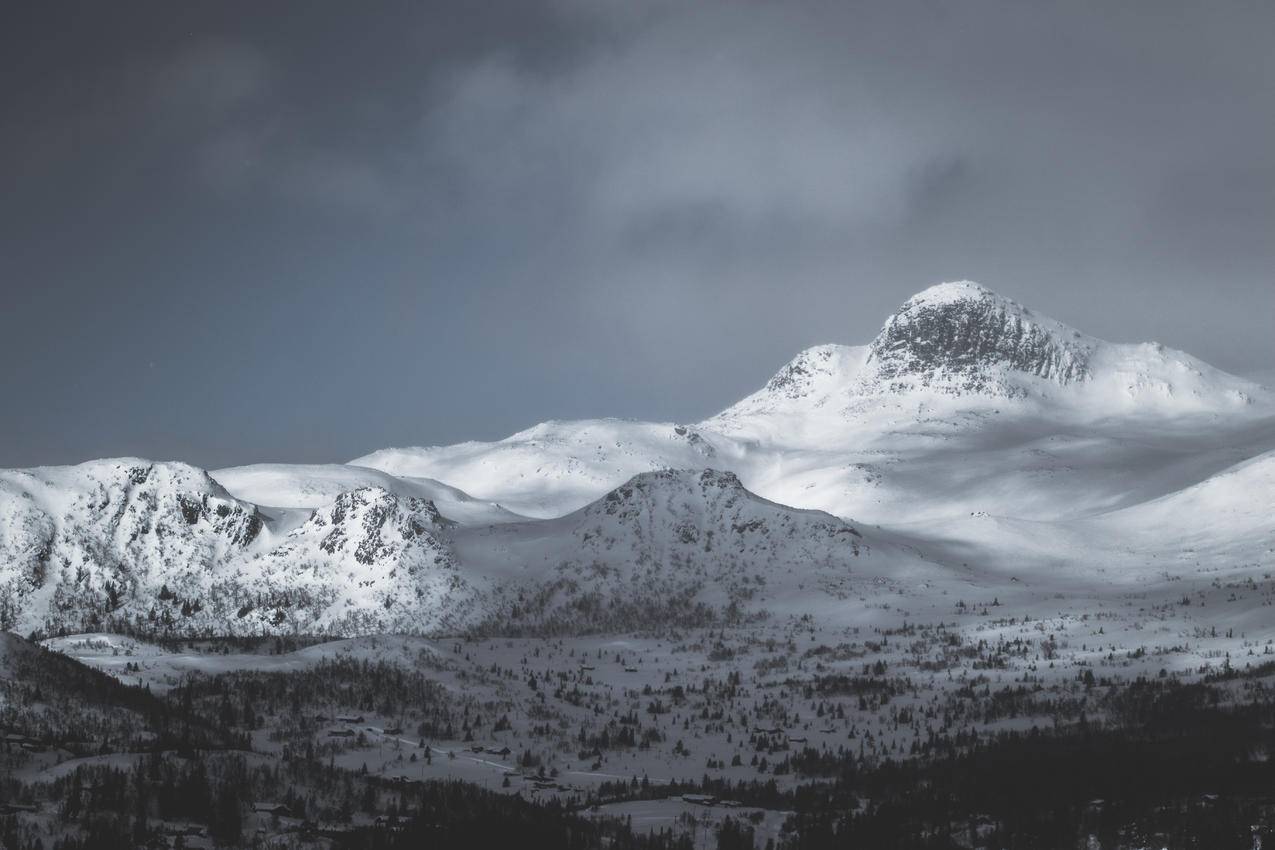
965 404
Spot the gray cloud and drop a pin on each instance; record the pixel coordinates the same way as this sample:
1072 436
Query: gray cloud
212 79
427 225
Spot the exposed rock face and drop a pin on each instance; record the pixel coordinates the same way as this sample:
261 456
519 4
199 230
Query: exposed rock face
370 561
162 548
80 544
371 524
963 338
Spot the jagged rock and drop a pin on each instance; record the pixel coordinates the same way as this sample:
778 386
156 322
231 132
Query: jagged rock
963 338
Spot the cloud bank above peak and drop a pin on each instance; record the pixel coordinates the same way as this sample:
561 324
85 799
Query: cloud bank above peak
578 209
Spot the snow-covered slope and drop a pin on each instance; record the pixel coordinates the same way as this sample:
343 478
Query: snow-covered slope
1222 528
161 547
961 339
805 404
369 562
973 433
309 486
959 347
557 467
86 539
681 546
965 401
1228 514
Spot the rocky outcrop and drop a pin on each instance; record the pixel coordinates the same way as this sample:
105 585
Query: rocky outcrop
963 338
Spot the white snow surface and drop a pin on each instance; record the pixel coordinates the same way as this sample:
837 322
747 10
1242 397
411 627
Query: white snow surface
965 401
309 486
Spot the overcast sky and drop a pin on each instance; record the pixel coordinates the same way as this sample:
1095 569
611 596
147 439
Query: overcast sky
235 232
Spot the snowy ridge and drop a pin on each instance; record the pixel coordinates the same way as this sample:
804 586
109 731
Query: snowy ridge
161 547
1062 424
814 377
84 540
963 338
1149 379
555 467
309 486
1236 507
969 425
814 388
669 546
369 562
685 546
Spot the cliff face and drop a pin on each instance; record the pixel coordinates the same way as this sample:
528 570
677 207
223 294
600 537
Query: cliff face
962 338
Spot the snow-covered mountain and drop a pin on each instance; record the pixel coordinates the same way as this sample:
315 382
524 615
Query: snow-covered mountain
162 549
961 338
959 347
82 543
683 546
969 431
371 561
557 467
964 401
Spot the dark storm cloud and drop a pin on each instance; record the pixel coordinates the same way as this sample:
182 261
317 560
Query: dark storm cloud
288 231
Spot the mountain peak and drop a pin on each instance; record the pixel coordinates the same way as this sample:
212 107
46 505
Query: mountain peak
962 337
666 481
808 372
366 511
953 291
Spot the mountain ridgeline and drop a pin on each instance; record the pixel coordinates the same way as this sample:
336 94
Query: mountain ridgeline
963 338
158 549
854 470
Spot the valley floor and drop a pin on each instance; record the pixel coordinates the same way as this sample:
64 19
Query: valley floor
669 734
